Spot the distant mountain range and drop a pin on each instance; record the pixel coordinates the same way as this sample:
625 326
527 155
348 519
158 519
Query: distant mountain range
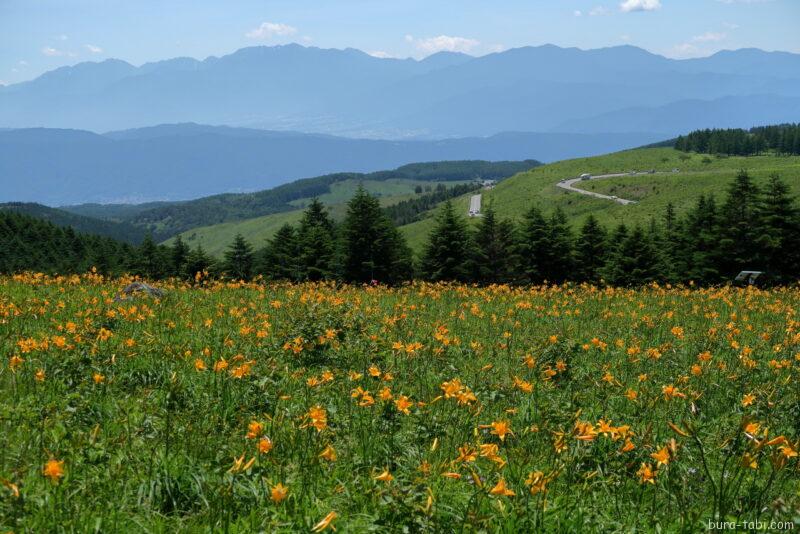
348 92
184 161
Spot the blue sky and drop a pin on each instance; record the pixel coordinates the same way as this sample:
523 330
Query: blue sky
39 35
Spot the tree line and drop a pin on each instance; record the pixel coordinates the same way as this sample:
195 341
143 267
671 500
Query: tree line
168 219
752 228
783 139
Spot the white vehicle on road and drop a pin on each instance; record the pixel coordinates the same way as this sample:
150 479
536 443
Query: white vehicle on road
586 176
475 206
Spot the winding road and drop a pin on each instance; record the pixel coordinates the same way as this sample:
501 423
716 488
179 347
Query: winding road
567 184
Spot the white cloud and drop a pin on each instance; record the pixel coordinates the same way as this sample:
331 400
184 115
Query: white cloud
380 54
23 63
268 30
598 11
497 48
625 38
3 83
577 12
709 37
443 43
62 37
639 5
731 25
93 49
52 52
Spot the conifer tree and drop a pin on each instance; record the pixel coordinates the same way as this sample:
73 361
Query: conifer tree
611 271
180 252
534 246
446 253
671 246
316 243
779 235
558 257
492 253
239 259
372 248
149 261
279 259
635 262
701 230
739 227
590 251
197 261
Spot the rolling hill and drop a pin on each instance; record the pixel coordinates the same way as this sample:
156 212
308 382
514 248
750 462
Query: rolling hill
121 231
698 174
167 219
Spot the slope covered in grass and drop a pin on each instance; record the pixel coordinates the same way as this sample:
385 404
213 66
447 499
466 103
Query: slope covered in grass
697 174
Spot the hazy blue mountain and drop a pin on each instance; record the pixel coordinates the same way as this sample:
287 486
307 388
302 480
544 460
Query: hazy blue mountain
348 92
173 162
687 115
750 61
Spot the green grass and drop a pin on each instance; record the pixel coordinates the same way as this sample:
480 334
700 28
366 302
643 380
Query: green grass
697 175
182 415
343 191
216 238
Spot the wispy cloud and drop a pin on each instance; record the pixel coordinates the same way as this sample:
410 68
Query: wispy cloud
268 30
577 13
442 43
93 49
709 37
52 52
599 11
639 5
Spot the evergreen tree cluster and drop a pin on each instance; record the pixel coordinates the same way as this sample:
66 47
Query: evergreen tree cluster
31 244
755 228
366 246
408 211
783 139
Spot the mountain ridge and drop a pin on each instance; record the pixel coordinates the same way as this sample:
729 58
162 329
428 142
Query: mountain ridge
533 88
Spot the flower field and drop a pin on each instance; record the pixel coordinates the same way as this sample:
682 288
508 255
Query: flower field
247 407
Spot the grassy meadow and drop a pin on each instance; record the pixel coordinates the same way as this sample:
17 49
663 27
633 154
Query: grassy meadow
291 408
698 174
216 238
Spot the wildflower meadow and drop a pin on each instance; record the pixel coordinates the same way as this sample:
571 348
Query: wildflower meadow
421 408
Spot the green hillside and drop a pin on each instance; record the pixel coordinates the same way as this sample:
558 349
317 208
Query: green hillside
215 238
697 174
167 219
121 231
